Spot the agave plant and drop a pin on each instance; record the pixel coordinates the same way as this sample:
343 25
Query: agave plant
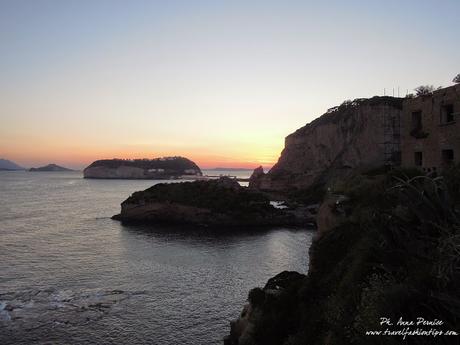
428 199
432 212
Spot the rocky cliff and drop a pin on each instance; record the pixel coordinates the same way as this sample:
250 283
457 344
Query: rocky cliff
159 168
345 138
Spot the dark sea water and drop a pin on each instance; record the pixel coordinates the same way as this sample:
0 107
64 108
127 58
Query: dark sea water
71 275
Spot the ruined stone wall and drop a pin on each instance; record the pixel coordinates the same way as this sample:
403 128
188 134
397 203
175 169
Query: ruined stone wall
429 144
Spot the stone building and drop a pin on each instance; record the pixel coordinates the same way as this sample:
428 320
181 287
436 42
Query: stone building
430 130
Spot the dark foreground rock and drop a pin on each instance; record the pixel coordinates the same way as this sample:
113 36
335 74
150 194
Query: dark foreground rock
261 302
391 251
221 202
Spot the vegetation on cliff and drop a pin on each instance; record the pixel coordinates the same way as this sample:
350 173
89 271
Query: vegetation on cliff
345 110
179 164
456 79
396 254
222 195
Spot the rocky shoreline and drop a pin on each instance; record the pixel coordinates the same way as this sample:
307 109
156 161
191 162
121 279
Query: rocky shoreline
385 246
221 202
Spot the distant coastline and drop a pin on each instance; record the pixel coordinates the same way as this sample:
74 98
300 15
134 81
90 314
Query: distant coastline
7 165
50 167
230 169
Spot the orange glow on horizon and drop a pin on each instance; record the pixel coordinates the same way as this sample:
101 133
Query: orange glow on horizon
234 147
82 157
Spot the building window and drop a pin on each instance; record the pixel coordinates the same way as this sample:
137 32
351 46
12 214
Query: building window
416 121
447 157
417 128
447 113
418 159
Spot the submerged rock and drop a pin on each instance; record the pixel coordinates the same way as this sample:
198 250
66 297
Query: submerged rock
221 202
48 308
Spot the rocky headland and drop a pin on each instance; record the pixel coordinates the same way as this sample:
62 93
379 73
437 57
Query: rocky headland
221 202
342 141
159 168
50 167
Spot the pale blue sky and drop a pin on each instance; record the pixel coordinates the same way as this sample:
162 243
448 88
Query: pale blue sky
222 82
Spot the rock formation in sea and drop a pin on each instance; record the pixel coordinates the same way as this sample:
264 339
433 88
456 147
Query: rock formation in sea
348 137
159 168
221 202
50 167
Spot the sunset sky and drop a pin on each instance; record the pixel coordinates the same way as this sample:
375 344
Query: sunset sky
220 82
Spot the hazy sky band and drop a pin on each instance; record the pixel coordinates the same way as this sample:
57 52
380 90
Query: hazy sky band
221 82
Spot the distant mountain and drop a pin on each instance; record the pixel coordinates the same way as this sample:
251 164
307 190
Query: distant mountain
5 164
50 167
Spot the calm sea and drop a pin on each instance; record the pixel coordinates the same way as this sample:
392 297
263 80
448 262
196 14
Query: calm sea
71 275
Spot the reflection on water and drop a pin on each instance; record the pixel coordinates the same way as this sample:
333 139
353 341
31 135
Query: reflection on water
70 272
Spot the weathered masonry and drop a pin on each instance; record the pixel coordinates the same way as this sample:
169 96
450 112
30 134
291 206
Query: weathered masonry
430 130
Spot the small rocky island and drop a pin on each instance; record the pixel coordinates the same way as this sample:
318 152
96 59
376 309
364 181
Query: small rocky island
158 168
221 202
50 167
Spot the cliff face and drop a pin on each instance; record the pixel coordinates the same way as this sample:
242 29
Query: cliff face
159 168
120 172
345 138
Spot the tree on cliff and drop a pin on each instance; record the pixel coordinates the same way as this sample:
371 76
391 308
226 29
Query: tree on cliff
456 80
425 90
